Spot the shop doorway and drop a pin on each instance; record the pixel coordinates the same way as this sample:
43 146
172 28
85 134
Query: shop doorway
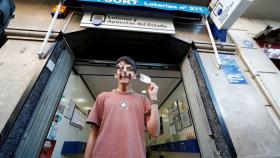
160 56
94 72
68 133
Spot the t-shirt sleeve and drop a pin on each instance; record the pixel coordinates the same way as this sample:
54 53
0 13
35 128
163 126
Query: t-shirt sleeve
147 105
95 115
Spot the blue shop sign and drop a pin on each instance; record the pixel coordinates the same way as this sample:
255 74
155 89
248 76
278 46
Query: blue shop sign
231 69
156 5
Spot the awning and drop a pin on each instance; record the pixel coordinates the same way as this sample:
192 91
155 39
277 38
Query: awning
152 4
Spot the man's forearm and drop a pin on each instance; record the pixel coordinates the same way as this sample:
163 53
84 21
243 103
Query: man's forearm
154 124
91 142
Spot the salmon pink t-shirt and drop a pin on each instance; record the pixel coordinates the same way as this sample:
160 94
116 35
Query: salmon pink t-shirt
121 118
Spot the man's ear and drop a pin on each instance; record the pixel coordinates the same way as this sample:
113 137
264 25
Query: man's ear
115 73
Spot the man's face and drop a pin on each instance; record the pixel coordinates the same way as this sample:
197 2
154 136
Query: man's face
124 73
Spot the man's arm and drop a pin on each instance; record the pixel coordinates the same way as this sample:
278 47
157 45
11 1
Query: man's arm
153 125
91 141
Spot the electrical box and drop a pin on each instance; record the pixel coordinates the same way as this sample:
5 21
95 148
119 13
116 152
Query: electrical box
226 12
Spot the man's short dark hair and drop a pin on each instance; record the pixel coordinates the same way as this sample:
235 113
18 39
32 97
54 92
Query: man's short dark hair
127 60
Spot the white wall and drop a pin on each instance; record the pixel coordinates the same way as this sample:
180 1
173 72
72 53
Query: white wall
253 26
74 90
247 114
263 67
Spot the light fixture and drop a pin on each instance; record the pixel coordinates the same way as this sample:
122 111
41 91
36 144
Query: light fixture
87 108
144 91
81 100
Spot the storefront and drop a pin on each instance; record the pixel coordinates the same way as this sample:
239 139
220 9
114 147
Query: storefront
170 46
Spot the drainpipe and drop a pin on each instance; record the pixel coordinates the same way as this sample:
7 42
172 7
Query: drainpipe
41 52
219 64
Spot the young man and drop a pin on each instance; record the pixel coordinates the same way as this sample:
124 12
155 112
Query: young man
119 117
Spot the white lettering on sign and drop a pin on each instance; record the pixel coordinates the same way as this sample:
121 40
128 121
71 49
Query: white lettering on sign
196 9
132 23
121 18
153 4
130 2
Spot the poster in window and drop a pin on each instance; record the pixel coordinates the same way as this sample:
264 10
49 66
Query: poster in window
173 113
172 130
185 119
178 126
57 119
182 106
69 109
78 119
170 115
60 108
175 107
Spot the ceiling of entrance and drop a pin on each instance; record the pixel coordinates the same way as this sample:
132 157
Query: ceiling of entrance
100 79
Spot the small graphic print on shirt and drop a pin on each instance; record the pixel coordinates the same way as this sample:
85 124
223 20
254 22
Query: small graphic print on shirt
123 105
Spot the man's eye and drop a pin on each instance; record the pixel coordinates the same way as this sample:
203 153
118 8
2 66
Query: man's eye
121 68
129 69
